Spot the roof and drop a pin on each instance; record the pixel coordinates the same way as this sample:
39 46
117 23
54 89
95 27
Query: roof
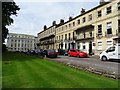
60 24
84 13
21 34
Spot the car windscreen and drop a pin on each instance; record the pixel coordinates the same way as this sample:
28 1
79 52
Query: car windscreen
79 50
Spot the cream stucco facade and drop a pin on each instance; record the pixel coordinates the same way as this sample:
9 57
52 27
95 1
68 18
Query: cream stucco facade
91 31
20 42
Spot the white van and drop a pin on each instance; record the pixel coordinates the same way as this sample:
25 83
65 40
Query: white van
112 52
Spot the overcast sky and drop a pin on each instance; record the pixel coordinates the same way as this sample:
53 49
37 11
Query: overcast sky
34 14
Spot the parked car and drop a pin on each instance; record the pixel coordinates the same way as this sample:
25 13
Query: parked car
50 53
77 53
61 51
66 52
111 53
36 52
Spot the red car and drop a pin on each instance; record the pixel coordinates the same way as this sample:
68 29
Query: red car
77 53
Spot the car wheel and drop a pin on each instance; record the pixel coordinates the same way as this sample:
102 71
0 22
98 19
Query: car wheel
69 55
78 56
104 58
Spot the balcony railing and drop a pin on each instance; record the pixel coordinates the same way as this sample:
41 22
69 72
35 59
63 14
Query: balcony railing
99 35
108 35
86 36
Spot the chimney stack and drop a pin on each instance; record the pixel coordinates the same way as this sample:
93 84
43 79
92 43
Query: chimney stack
45 27
102 2
70 17
61 21
54 23
82 10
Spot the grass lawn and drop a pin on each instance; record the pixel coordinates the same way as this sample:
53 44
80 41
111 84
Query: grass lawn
25 71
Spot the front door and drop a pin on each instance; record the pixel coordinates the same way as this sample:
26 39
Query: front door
90 48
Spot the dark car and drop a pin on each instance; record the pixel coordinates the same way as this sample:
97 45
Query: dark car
61 51
66 52
37 52
50 53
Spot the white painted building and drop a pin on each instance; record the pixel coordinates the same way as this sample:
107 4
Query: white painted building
20 42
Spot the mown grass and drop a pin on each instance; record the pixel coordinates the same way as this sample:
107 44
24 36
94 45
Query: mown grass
25 71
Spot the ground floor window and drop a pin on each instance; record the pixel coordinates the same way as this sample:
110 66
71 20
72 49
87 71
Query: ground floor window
99 45
109 43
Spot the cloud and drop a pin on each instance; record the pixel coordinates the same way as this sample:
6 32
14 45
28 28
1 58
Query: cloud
34 15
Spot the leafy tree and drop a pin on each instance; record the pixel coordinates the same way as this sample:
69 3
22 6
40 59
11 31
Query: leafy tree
8 9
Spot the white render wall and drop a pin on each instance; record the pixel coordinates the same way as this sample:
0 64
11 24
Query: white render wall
20 42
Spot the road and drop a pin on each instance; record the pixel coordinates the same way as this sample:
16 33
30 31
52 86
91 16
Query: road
93 62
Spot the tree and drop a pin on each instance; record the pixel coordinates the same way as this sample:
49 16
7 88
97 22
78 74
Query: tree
8 9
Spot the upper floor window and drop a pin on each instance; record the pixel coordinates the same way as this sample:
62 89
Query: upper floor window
78 21
73 23
109 10
59 29
99 29
62 37
66 27
69 36
90 17
99 13
118 5
59 37
83 19
65 36
69 25
109 28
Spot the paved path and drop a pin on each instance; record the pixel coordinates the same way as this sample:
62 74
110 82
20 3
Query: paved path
93 62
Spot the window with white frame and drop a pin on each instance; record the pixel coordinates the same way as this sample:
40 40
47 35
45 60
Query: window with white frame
109 28
84 19
99 29
99 45
109 43
66 27
65 36
99 13
78 21
90 17
109 9
69 25
73 24
118 5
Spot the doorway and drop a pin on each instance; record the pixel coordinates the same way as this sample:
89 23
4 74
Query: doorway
90 48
